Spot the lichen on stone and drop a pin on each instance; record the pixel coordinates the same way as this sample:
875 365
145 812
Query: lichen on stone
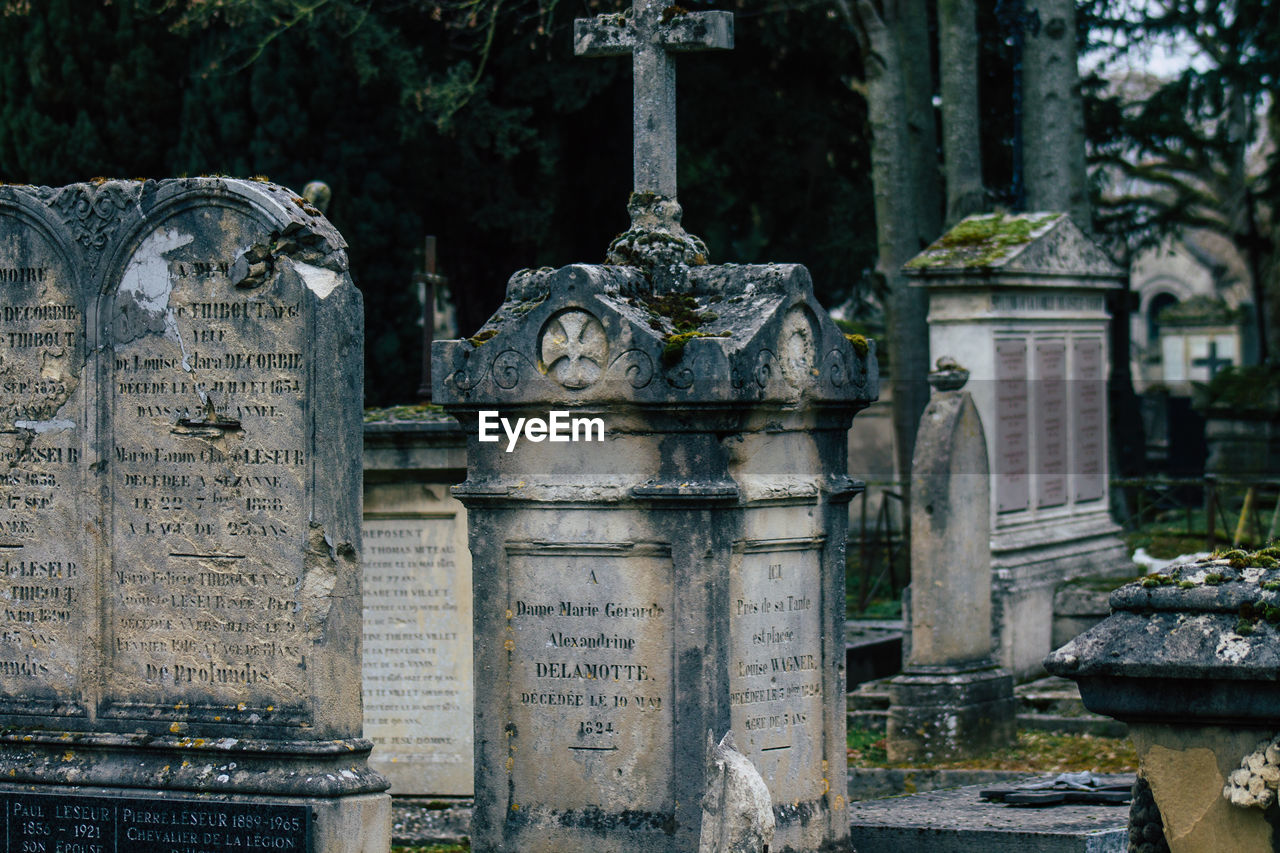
859 343
656 242
480 337
418 412
673 345
984 240
680 318
1254 785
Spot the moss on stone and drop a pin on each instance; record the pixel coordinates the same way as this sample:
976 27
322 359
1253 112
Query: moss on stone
673 345
481 336
981 241
860 345
418 412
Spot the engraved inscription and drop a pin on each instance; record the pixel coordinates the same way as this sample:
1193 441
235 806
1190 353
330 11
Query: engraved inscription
775 674
1013 453
1046 302
69 823
418 691
209 459
1051 423
591 651
43 554
1088 407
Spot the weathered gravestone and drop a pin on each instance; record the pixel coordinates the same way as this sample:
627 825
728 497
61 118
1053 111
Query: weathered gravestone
1189 658
1019 301
951 700
180 388
418 694
659 550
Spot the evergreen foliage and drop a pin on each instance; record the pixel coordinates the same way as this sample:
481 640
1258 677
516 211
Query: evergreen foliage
1188 151
472 121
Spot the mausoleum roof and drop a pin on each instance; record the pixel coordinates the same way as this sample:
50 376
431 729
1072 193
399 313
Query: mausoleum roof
1021 244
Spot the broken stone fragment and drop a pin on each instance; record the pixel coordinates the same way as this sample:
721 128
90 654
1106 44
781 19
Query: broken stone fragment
737 812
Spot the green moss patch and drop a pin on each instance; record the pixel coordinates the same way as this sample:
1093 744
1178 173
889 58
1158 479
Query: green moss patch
683 317
480 337
419 412
982 241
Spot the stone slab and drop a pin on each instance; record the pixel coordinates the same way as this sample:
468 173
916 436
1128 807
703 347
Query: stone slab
873 649
874 783
418 680
40 819
959 821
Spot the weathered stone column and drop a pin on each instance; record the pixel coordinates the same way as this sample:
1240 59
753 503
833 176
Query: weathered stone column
658 555
952 700
1188 658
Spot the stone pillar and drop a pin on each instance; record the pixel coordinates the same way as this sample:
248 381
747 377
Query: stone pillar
951 701
1020 301
1188 658
658 535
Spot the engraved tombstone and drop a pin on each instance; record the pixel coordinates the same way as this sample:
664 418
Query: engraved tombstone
418 689
180 386
678 575
1019 301
659 545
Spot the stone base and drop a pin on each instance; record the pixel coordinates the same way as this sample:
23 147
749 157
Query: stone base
1187 768
939 713
302 796
128 820
1028 566
959 821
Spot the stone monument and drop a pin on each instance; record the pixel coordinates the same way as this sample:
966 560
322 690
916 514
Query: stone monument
418 694
1020 301
656 495
1188 658
952 700
180 389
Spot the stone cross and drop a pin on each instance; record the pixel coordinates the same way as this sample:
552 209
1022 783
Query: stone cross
654 30
1211 361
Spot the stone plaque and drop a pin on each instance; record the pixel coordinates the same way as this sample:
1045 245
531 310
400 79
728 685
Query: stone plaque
591 657
418 688
1090 423
209 460
1013 452
70 823
775 675
1051 423
44 560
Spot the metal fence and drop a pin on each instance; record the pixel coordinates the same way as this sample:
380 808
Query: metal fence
1218 511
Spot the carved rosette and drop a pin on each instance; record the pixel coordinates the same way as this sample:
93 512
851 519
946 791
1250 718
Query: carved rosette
574 348
796 343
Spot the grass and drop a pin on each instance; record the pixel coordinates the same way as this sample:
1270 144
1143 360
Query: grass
464 847
1034 752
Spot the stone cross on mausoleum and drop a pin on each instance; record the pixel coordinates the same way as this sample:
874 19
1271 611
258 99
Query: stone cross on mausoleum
651 32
